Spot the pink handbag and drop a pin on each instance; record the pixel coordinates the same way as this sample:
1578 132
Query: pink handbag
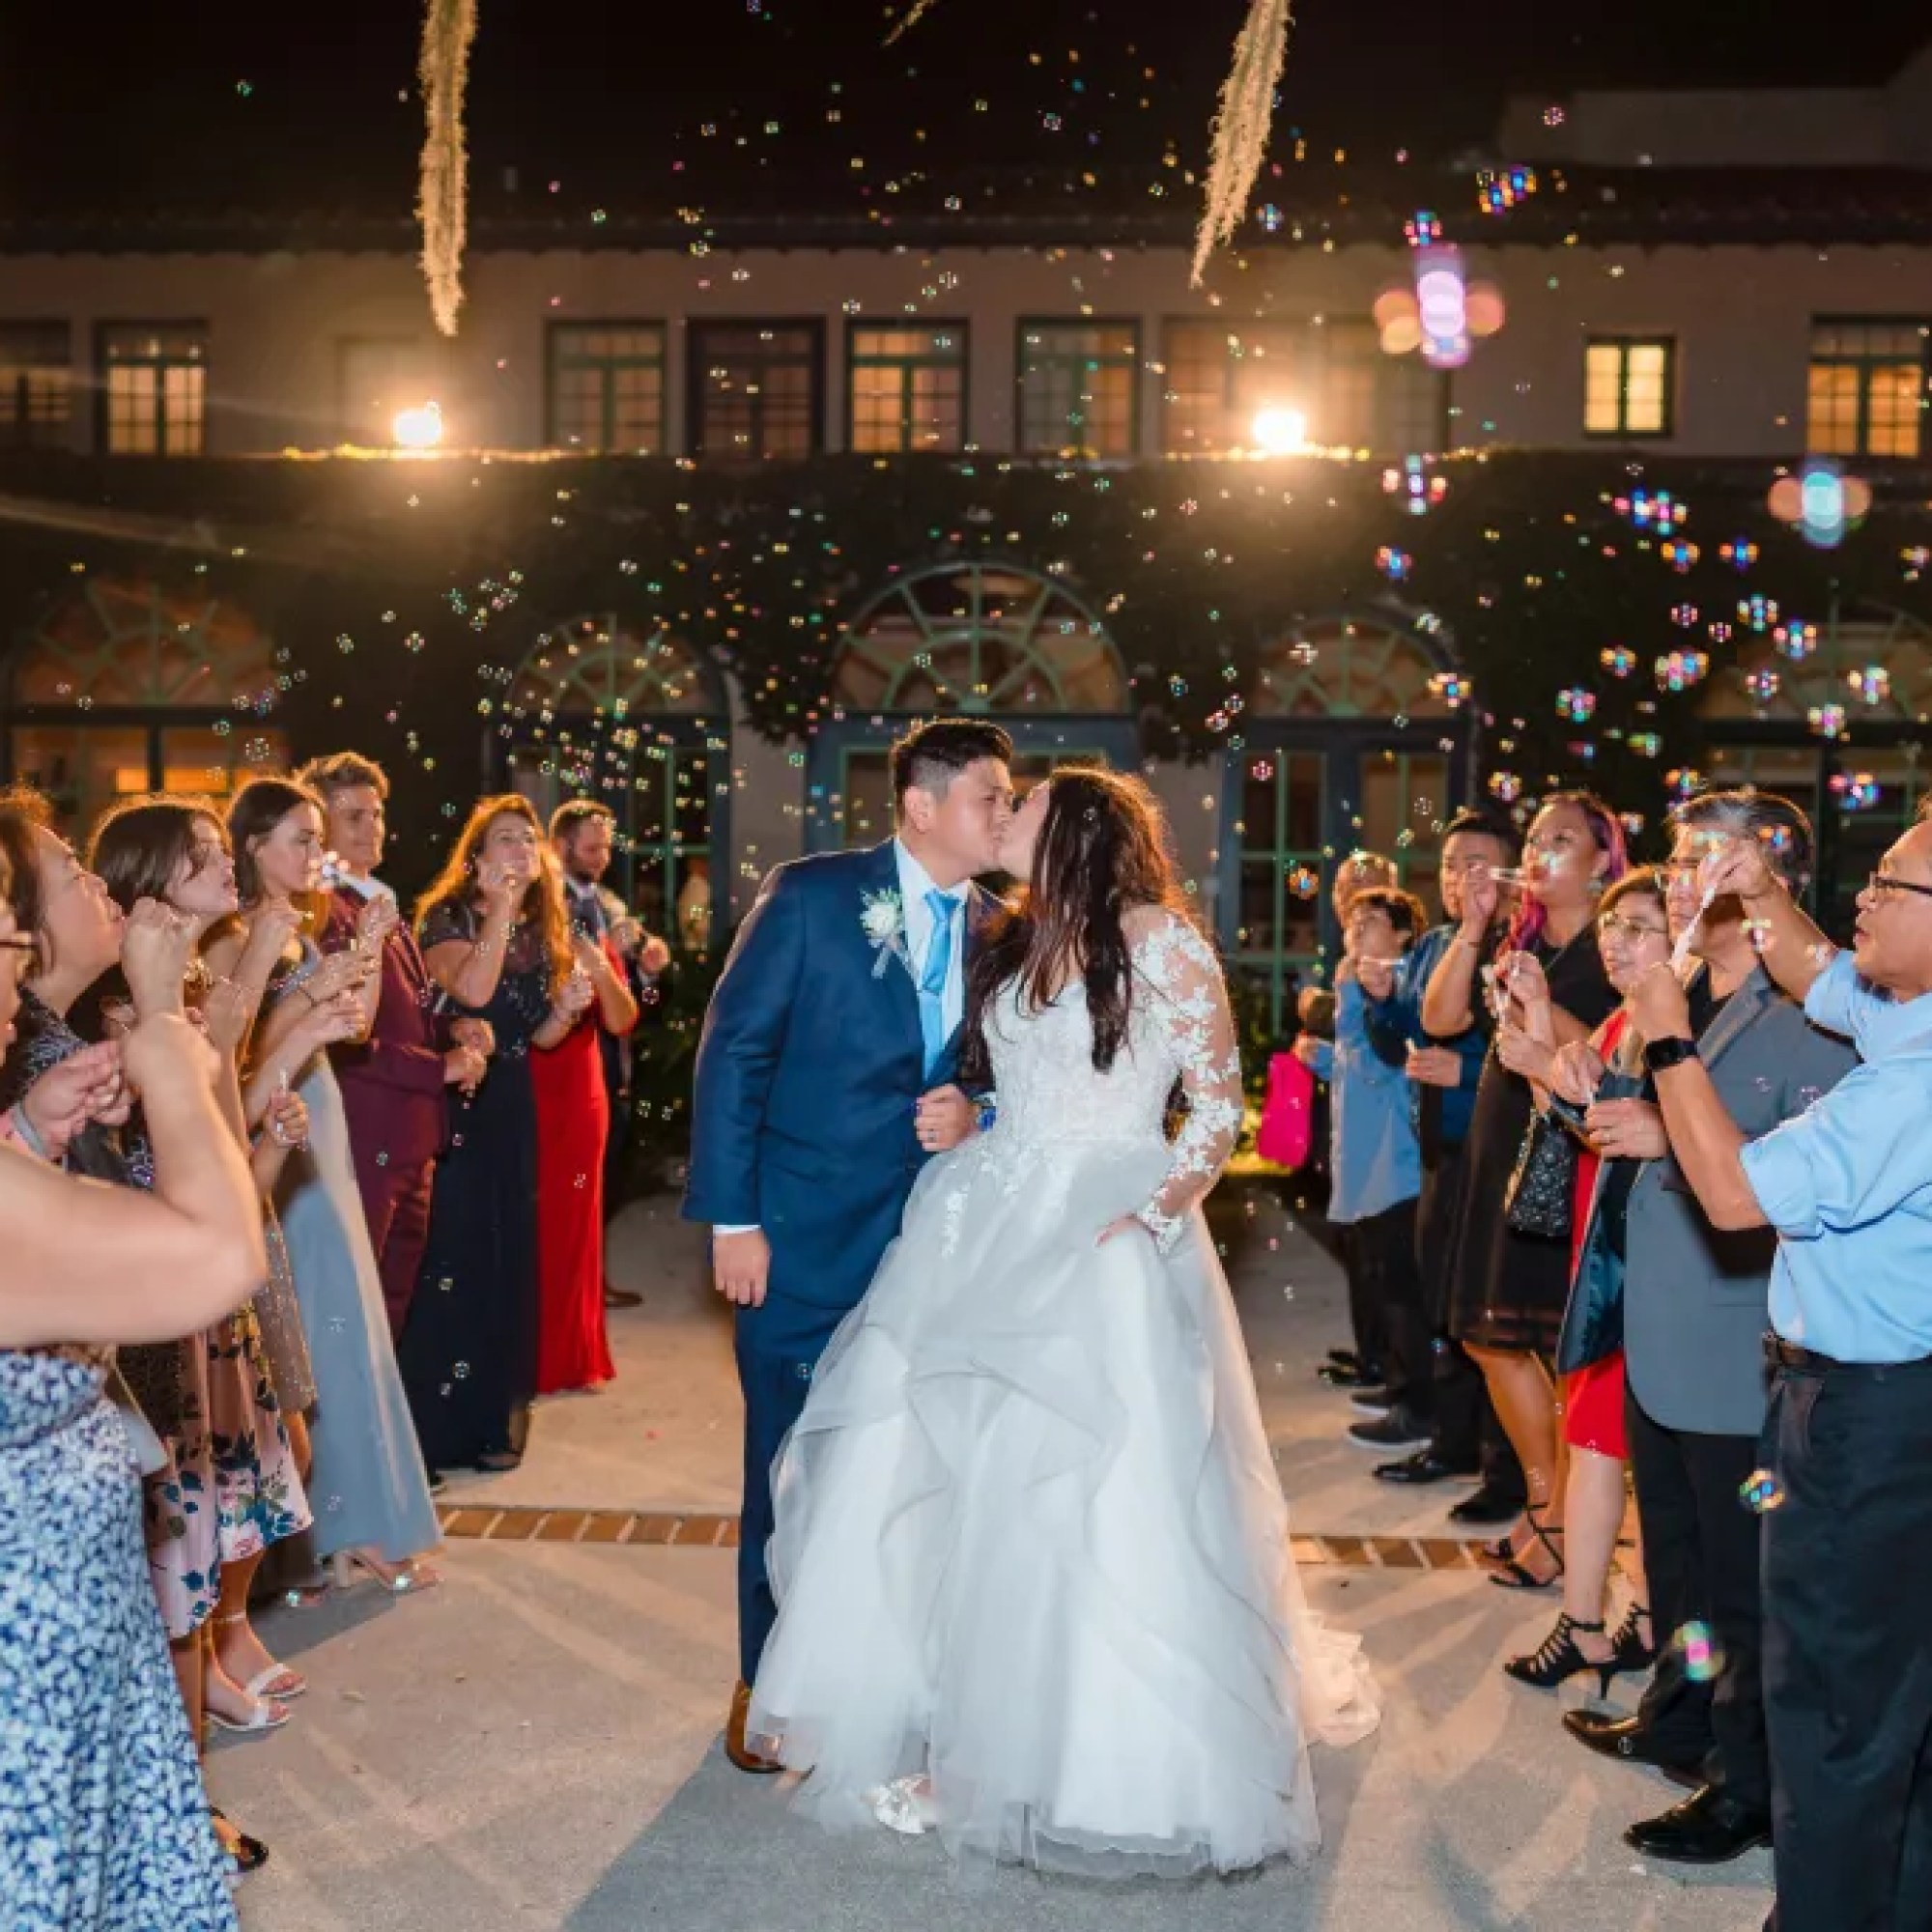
1288 1114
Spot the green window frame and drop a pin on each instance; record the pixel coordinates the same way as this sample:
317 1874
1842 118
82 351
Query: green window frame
1865 386
1079 388
905 388
154 387
1630 387
604 387
36 384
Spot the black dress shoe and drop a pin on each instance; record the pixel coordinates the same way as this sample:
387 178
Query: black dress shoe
1398 1428
1424 1466
1628 1741
621 1298
1709 1828
1358 1376
1487 1505
1344 1359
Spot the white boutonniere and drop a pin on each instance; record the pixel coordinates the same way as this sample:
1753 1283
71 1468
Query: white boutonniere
882 918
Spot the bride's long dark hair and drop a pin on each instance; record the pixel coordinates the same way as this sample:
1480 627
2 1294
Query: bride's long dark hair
1100 853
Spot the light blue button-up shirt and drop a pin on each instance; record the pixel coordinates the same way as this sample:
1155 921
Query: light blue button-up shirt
915 882
1848 1186
1843 1003
1373 1161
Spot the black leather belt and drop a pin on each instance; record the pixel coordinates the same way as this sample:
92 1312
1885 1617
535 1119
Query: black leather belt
1783 1354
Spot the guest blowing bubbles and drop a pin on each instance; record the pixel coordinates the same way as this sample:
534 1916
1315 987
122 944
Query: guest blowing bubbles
376 1517
1848 1495
1507 1290
496 942
111 1826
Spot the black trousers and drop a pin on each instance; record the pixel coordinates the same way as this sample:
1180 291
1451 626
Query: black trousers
1848 1645
1468 1430
1700 1552
1382 1260
1367 1330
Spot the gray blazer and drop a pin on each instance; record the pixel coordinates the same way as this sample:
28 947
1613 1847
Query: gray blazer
1694 1298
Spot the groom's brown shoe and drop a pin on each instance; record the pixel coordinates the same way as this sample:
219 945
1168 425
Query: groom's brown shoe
735 1748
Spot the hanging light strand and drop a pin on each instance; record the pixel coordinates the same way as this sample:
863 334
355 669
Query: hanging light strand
449 27
910 19
1241 125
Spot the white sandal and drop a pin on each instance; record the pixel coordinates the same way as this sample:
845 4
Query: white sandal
265 1714
274 1680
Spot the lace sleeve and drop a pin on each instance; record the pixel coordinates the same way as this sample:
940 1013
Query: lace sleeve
1187 1004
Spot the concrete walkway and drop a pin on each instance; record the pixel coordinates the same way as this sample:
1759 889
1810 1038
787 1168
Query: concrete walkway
535 1744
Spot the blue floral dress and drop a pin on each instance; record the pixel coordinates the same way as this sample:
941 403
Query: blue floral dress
104 1823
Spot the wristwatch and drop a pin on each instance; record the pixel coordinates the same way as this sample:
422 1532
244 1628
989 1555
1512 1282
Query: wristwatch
1659 1055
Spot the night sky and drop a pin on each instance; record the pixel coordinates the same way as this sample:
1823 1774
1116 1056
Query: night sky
207 104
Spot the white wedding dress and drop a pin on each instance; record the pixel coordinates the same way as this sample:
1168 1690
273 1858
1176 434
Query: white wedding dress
1030 1536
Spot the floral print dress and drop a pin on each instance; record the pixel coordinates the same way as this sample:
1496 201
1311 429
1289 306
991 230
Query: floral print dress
230 1488
104 1823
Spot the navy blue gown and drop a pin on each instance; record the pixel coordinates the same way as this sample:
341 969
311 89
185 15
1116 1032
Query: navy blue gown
468 1351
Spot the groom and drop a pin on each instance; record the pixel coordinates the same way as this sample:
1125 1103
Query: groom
825 1078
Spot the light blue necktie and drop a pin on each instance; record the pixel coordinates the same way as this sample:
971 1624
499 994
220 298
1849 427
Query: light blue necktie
933 976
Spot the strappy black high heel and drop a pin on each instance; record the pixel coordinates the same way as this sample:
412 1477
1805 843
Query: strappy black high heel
1557 1659
1632 1652
1511 1574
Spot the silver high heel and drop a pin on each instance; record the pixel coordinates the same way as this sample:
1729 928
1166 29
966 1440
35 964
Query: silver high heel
905 1806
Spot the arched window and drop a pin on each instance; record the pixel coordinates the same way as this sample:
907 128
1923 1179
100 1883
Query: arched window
604 709
1350 741
1348 668
982 639
979 638
128 686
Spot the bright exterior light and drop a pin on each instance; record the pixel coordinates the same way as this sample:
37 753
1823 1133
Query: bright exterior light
1281 432
418 429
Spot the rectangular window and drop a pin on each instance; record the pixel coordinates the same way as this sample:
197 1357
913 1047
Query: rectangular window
1866 391
1251 385
907 388
36 384
606 387
756 388
154 387
1079 384
1629 387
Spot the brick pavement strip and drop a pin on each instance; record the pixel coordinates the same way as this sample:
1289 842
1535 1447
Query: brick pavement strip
699 1530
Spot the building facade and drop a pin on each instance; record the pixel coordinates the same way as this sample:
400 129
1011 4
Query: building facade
699 509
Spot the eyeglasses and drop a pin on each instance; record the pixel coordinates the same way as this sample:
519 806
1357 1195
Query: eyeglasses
1882 883
1614 926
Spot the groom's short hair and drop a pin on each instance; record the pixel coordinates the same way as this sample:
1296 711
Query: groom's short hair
932 755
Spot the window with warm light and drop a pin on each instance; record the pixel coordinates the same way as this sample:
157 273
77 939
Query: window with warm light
1232 386
606 387
154 387
36 384
1629 387
1866 388
906 387
1079 389
757 390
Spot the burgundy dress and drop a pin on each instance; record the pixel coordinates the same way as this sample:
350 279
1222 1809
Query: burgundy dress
393 1091
573 1126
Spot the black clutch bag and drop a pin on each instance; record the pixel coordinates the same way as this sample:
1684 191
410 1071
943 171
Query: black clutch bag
1542 1188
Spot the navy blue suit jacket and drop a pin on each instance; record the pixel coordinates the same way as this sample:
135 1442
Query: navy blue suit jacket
807 1072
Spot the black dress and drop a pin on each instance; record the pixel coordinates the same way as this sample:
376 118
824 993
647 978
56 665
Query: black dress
468 1351
1507 1291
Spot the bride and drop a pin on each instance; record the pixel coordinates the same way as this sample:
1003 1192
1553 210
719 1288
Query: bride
1032 1558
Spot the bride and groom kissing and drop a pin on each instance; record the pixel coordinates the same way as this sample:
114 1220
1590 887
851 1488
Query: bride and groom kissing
1013 1561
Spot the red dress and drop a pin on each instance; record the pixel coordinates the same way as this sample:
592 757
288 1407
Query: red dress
1593 1396
573 1124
